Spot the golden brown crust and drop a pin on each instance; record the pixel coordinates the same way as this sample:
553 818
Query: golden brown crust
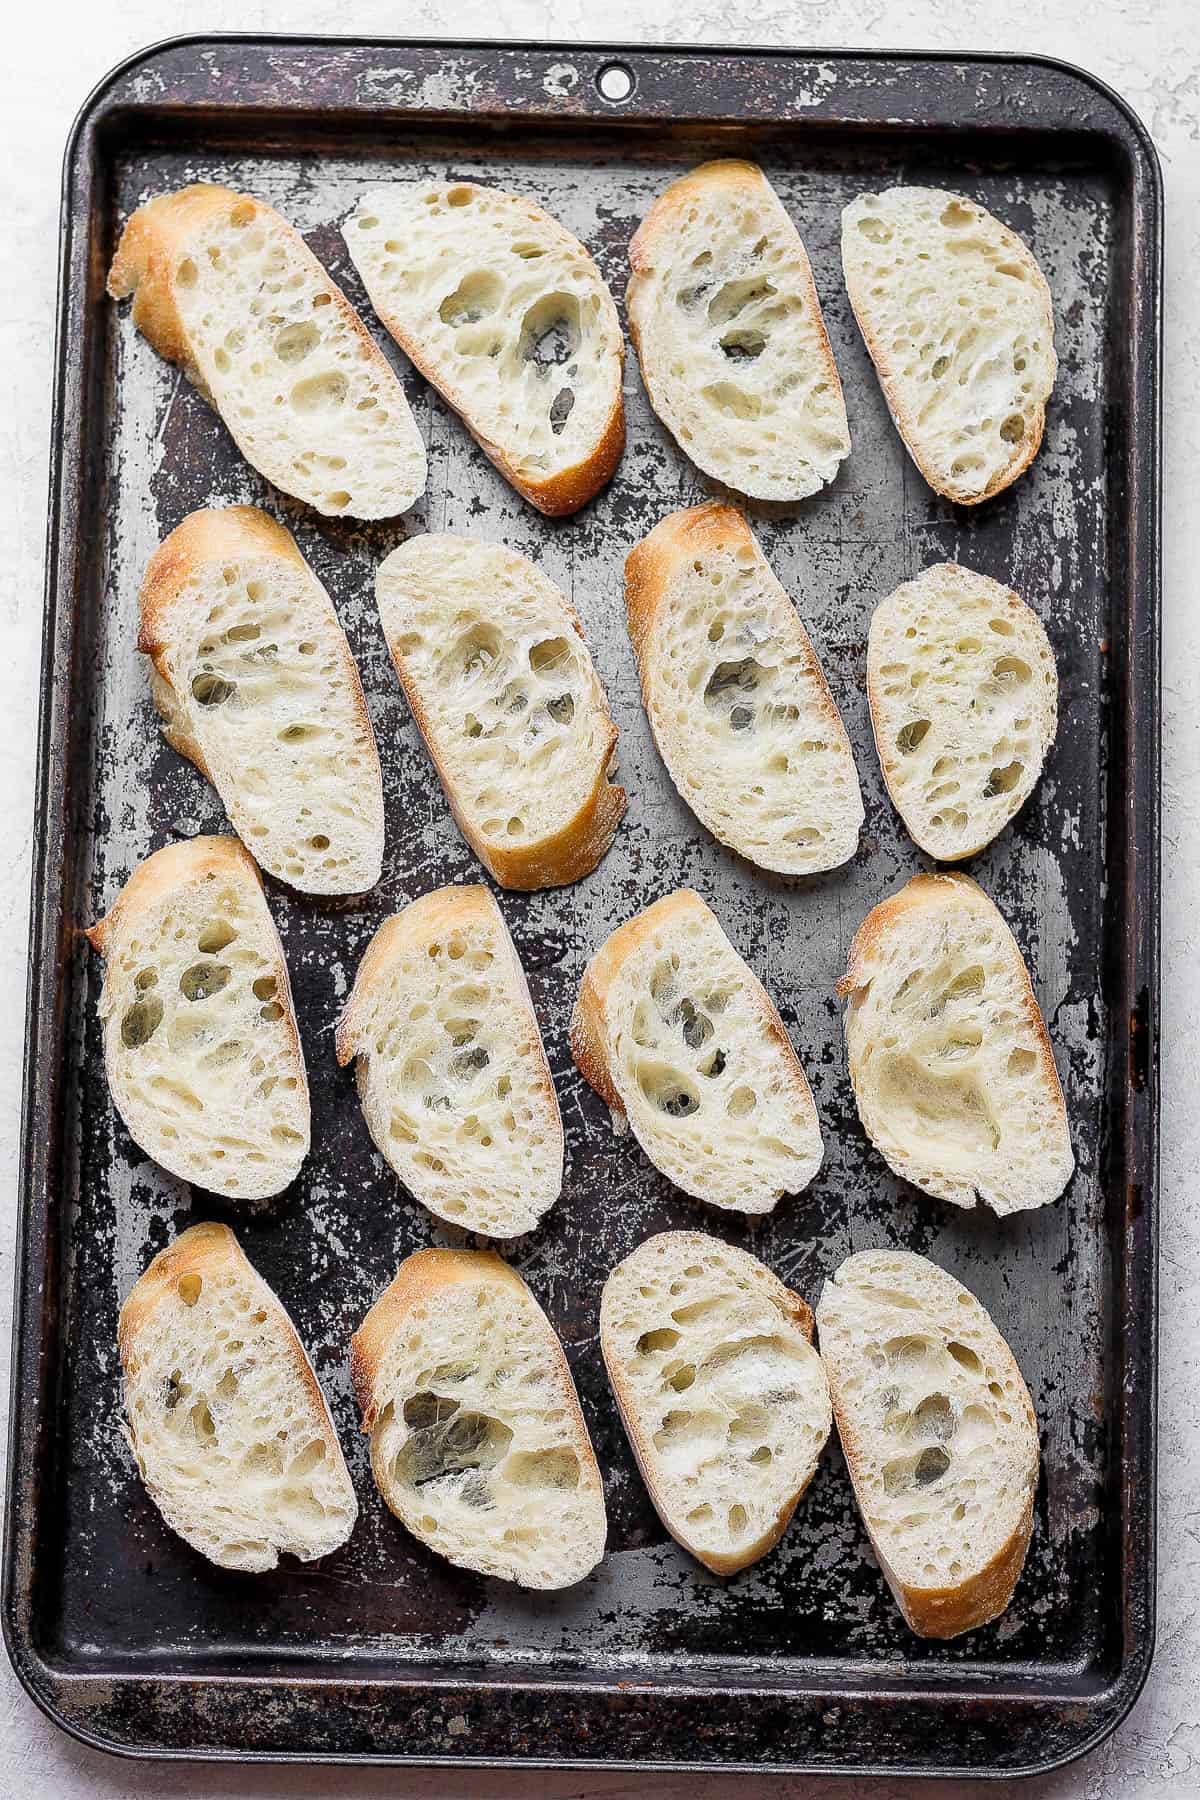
571 488
216 534
565 855
206 1250
881 355
799 1314
589 1022
950 887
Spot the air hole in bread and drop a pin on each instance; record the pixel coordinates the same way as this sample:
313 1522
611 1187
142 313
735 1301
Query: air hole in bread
550 332
735 296
1003 780
214 935
558 1468
477 650
734 402
698 1309
909 737
209 689
681 1379
743 345
741 1101
141 1021
187 274
651 1343
476 297
447 1444
561 709
271 1013
561 408
189 1288
1022 1062
934 1418
1013 429
146 978
965 1357
739 1518
265 987
300 734
666 1089
320 393
875 230
202 980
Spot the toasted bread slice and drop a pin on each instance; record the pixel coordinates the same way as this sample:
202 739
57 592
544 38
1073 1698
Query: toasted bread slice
964 702
256 684
508 316
227 1422
957 317
677 1034
721 1393
728 328
492 661
200 1041
939 1434
451 1071
477 1442
223 286
736 697
951 1065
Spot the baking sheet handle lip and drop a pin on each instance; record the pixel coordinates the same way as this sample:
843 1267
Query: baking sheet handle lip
808 53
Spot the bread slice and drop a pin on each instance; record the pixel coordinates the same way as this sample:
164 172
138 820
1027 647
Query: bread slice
510 319
678 1035
477 1442
939 1434
452 1075
255 681
200 1040
492 661
721 1393
227 1422
224 286
728 328
736 697
951 1065
957 317
964 702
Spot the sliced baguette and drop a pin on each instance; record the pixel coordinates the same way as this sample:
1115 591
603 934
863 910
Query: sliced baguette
227 1422
957 317
492 661
508 316
736 697
728 328
951 1064
678 1035
721 1393
257 685
224 286
939 1435
200 1042
964 704
451 1071
477 1442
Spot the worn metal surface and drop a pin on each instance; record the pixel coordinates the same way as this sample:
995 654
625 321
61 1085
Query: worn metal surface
384 1650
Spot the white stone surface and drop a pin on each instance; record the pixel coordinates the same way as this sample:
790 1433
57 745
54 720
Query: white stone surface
1150 51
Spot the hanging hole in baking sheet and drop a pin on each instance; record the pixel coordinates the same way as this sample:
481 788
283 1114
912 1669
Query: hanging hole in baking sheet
615 82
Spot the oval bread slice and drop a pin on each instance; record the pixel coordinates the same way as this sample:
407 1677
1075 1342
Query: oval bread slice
492 661
225 287
736 696
200 1042
939 1435
451 1071
729 332
951 1064
257 685
957 317
964 704
227 1422
508 316
677 1034
721 1393
477 1442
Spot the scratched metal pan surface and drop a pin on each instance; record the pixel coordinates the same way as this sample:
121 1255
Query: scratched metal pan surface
383 1651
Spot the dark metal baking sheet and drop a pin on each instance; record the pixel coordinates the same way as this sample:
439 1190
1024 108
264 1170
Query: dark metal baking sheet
383 1651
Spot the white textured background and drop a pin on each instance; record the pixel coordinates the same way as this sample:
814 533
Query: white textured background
1150 51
